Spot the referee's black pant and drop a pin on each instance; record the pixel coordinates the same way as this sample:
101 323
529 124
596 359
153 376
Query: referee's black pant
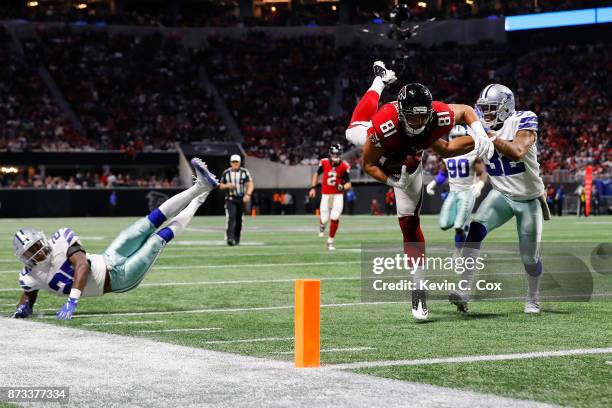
234 213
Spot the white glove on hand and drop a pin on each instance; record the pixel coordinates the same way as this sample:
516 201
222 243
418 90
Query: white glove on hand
483 145
430 189
404 181
477 188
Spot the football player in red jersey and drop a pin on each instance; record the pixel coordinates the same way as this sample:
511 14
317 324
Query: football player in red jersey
334 183
393 138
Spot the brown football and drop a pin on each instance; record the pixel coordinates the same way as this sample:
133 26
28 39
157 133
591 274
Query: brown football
393 166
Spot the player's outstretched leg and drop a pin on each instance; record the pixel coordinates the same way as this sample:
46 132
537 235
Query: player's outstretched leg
128 275
492 213
356 132
133 237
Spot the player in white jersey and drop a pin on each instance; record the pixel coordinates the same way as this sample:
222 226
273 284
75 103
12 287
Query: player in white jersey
466 177
517 191
61 266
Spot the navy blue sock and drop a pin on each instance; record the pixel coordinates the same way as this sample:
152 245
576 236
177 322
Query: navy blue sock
156 217
534 270
476 235
166 234
459 238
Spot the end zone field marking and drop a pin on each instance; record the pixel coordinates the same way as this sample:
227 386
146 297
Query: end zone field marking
228 310
470 359
179 330
239 282
234 266
332 350
122 323
261 339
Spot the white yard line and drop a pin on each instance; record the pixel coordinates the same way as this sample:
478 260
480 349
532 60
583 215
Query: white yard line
256 340
249 266
124 323
333 350
243 282
121 366
221 310
470 359
202 329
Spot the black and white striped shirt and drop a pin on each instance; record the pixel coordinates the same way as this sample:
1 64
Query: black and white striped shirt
239 178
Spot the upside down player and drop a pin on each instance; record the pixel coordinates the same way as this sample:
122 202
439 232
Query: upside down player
518 190
334 183
394 137
61 265
466 177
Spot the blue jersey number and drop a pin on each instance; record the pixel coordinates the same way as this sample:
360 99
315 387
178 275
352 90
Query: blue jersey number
458 168
502 166
65 276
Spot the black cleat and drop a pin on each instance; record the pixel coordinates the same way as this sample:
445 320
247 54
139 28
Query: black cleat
456 299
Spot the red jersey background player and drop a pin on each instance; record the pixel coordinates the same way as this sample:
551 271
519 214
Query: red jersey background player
334 183
393 138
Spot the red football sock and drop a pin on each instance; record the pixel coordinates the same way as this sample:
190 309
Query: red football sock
414 241
366 108
333 227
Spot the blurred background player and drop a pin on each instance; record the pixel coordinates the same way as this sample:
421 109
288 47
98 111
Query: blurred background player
466 177
400 131
334 182
61 266
518 190
238 185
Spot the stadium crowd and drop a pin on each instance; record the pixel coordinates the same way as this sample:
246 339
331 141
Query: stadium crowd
291 97
141 93
88 179
279 91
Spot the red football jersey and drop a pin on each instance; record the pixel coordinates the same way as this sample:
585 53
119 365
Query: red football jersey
333 176
385 132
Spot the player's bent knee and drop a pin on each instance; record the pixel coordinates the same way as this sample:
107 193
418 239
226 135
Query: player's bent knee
356 135
533 268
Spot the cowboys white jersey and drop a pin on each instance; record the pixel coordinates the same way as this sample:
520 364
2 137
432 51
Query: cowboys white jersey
518 180
461 171
57 274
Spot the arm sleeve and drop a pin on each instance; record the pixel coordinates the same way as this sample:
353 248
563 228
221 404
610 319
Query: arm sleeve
320 170
73 249
346 177
247 177
27 283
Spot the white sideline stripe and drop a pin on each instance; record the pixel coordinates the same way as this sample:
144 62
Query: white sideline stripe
229 310
235 266
332 350
179 330
150 372
470 359
239 282
122 323
261 339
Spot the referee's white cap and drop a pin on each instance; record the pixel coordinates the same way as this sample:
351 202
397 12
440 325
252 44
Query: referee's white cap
235 158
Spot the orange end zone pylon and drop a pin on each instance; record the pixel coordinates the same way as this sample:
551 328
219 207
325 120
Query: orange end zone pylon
307 323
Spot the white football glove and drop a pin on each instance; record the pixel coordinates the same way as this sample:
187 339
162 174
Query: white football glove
483 145
405 180
477 188
430 189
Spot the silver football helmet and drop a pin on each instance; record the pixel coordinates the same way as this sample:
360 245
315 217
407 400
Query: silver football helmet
31 247
495 105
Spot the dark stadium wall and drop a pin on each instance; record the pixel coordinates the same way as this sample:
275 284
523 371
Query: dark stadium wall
27 203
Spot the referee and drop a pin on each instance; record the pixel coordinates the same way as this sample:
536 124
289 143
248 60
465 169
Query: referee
238 185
